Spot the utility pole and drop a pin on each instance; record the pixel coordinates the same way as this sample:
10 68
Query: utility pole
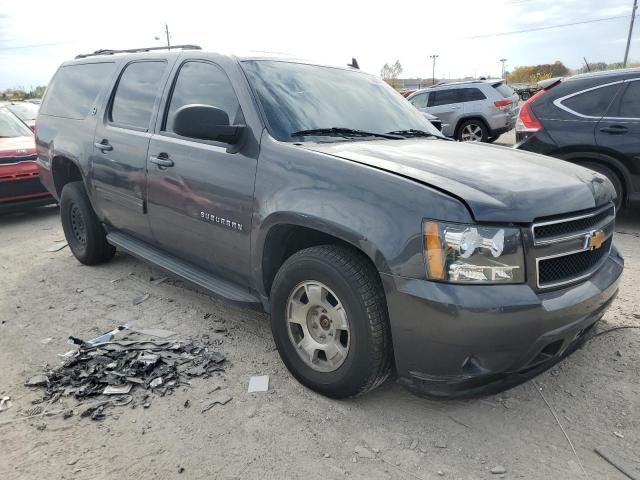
503 60
433 71
587 64
166 31
633 17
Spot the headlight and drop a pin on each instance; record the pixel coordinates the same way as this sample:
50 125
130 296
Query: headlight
461 253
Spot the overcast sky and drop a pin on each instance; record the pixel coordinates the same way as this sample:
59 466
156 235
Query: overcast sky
35 36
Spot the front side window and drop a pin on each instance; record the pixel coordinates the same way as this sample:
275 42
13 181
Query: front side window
420 100
297 97
136 94
206 84
593 103
446 97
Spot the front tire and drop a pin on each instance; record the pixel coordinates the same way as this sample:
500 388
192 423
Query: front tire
85 235
329 321
473 131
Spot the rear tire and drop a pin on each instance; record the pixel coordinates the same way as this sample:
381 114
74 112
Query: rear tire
355 354
472 131
613 178
85 235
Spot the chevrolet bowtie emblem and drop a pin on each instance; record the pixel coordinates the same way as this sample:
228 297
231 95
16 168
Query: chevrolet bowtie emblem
594 239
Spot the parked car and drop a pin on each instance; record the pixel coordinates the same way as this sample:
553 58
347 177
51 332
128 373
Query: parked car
20 185
25 111
323 197
592 120
435 121
477 110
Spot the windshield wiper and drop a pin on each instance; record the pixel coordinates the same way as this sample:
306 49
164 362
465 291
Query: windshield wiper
343 132
413 133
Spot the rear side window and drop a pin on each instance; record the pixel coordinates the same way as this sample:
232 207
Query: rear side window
593 103
473 94
206 84
629 104
74 89
503 89
420 100
136 94
446 97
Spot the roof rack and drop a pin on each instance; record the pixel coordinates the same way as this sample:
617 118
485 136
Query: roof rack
136 50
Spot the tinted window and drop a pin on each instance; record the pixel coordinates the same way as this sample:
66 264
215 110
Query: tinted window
593 103
445 97
74 89
136 93
473 94
206 84
419 101
629 104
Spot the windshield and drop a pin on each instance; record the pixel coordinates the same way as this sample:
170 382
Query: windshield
11 126
26 111
297 97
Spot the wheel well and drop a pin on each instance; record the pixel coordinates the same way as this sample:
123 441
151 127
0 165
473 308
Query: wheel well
462 120
64 171
580 160
283 241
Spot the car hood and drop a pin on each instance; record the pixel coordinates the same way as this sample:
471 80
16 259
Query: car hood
17 146
498 184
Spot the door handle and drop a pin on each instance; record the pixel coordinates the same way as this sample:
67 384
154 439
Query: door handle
104 146
615 130
162 160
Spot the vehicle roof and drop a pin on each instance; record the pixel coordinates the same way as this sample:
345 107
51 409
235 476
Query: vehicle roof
605 73
462 83
102 55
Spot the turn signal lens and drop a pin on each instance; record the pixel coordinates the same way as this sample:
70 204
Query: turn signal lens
434 253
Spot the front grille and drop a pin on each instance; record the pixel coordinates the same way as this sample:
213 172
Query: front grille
6 160
562 229
569 267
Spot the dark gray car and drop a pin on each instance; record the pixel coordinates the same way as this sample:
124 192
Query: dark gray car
320 195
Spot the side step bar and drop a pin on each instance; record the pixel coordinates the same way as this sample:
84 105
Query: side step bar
194 275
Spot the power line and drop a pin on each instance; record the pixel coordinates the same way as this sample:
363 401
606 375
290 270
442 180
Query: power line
36 45
549 27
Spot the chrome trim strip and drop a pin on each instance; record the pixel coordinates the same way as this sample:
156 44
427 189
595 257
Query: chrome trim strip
558 101
566 220
574 279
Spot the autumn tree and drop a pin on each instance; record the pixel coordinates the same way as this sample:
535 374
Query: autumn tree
390 73
535 73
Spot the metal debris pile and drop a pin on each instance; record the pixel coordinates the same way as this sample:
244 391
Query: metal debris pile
116 368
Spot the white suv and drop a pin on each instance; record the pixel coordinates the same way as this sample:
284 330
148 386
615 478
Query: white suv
477 110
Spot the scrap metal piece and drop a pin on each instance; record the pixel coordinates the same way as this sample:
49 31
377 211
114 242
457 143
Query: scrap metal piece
219 399
117 389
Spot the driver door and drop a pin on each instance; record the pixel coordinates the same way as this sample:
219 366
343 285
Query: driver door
200 192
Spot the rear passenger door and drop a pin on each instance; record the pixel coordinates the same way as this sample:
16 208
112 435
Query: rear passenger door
475 101
619 129
200 196
447 105
119 159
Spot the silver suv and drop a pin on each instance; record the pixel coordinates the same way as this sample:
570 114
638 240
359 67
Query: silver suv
477 110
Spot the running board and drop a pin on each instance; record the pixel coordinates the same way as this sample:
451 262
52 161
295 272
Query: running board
185 271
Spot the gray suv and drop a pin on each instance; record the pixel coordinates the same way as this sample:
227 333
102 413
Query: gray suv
478 110
321 196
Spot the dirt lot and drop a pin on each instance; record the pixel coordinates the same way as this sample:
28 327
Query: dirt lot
289 432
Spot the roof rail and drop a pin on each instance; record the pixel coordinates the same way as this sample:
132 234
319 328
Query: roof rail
136 50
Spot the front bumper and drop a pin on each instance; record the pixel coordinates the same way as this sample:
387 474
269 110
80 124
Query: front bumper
464 340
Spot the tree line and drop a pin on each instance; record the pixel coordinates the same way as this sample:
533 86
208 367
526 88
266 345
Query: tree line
22 94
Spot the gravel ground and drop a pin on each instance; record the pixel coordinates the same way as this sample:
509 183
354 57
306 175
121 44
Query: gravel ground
289 432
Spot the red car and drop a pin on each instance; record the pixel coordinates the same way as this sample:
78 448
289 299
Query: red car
20 185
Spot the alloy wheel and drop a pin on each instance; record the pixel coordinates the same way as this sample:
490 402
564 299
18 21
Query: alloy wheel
471 133
318 326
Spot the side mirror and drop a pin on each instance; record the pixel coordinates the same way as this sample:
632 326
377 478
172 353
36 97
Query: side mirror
206 123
